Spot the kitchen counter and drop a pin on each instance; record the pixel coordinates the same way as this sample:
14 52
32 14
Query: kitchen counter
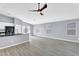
7 41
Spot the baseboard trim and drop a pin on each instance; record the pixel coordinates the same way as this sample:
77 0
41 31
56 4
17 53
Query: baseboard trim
58 39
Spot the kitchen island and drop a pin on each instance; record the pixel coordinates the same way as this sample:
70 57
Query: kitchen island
8 41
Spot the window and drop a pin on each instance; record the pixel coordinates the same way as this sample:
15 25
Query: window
71 29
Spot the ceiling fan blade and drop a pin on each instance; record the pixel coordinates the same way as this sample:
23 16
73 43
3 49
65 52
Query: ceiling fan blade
33 10
38 6
41 13
44 7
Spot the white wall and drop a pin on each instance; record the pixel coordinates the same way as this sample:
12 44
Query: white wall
57 30
5 21
18 29
3 24
21 27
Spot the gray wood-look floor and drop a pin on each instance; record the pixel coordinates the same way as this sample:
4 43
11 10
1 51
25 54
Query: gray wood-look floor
42 47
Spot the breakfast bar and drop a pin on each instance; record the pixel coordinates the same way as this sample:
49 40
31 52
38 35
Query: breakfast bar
8 41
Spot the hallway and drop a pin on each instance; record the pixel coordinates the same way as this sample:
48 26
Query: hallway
42 47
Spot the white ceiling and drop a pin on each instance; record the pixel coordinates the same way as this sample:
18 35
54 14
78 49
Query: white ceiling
54 12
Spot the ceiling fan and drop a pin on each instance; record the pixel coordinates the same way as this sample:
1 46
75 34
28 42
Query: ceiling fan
40 9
